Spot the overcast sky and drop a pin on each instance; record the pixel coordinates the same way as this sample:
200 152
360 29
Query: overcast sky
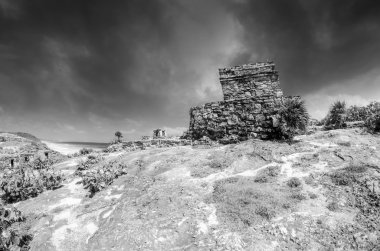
82 69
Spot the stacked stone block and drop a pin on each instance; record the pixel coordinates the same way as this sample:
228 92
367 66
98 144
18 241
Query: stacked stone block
252 97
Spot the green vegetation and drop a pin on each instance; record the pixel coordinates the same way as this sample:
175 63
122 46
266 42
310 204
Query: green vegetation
336 118
294 182
97 175
357 113
85 151
268 174
333 206
372 121
118 135
339 115
243 202
10 238
292 118
24 183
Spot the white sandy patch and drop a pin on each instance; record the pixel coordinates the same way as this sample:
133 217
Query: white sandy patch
74 186
254 172
286 167
212 218
70 201
182 221
320 144
107 214
64 215
202 227
59 235
114 196
91 229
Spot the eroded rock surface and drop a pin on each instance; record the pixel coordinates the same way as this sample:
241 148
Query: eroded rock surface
235 197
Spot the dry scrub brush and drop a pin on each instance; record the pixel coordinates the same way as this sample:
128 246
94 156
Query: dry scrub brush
292 119
24 183
98 176
10 238
336 117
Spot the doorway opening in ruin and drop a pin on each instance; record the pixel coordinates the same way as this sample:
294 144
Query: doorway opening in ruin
12 163
47 155
26 158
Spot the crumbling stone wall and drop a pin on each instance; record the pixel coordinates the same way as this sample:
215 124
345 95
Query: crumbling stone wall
252 97
249 81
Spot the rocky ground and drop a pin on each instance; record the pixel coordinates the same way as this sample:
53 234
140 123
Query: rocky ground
319 193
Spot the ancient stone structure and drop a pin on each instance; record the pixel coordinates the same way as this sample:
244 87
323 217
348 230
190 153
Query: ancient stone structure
159 133
252 97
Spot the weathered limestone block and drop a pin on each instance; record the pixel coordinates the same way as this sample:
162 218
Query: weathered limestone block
252 98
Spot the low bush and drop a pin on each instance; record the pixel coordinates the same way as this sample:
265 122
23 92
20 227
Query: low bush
265 212
333 206
336 118
292 118
11 239
372 122
267 174
313 195
294 182
298 196
357 113
90 162
342 178
214 164
85 151
359 168
24 183
98 178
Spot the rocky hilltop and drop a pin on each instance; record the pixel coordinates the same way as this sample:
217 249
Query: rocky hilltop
319 193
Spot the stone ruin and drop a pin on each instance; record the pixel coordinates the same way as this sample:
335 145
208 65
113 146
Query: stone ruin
252 97
159 133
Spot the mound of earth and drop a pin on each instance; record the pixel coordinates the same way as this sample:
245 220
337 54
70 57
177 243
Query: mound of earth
319 193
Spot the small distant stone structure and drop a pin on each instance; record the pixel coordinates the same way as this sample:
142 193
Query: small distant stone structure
252 97
159 133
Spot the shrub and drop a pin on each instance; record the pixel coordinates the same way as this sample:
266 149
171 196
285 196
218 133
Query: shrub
342 178
265 212
10 239
333 206
24 183
96 179
336 118
90 162
372 122
294 182
357 113
292 118
85 151
214 164
356 168
267 174
298 196
313 195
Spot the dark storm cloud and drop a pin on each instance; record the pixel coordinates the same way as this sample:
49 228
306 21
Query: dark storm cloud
77 59
83 68
79 53
314 43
